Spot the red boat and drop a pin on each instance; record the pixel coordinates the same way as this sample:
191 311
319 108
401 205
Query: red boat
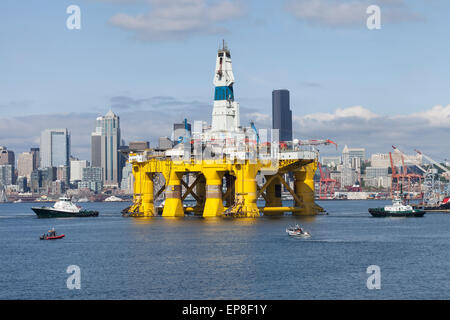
52 238
51 235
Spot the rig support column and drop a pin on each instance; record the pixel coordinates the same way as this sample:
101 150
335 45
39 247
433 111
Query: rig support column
214 203
200 190
273 195
137 171
304 188
173 207
246 190
147 195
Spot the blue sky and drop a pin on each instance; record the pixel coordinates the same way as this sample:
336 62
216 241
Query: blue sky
152 62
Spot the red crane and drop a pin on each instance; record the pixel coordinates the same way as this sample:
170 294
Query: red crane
408 180
326 184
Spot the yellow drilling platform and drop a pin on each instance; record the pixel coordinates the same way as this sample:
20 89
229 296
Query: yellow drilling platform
219 166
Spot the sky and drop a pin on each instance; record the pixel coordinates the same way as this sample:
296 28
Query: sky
152 62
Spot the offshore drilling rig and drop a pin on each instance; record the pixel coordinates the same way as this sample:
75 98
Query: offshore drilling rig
224 161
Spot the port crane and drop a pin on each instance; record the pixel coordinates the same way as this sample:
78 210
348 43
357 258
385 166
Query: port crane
403 176
446 173
327 185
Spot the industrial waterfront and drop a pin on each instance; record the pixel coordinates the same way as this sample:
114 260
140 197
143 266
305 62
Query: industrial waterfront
221 258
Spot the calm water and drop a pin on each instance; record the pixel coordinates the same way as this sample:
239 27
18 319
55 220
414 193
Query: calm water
195 258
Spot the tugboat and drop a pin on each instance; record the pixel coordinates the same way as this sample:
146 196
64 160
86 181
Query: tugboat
297 231
51 235
397 209
443 206
64 208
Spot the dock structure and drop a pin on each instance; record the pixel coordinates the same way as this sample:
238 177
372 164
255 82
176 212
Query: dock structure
224 161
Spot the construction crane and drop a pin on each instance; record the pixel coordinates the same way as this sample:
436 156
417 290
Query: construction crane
446 173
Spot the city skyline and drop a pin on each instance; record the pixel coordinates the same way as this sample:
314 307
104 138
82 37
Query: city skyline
347 83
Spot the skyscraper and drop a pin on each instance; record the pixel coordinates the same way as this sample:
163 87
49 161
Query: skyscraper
282 114
105 143
55 148
7 159
36 157
25 164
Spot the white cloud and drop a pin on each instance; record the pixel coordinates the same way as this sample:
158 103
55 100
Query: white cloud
428 131
352 112
437 116
178 19
149 118
346 13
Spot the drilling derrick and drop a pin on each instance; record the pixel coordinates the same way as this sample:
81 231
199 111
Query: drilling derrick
224 161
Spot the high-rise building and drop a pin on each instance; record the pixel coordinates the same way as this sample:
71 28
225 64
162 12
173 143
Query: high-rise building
6 174
357 153
181 131
25 164
36 157
164 143
41 180
76 169
105 148
282 114
63 174
55 148
138 145
6 156
92 179
348 175
127 179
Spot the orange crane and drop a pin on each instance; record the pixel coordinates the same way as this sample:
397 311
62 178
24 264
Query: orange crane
412 179
326 184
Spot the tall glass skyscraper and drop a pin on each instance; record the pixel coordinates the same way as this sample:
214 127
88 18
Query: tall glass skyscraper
105 143
54 148
282 114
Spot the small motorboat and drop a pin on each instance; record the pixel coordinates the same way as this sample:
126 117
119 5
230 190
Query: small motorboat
297 231
51 235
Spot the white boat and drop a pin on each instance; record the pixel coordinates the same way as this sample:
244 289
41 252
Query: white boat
18 201
64 207
83 200
296 231
112 199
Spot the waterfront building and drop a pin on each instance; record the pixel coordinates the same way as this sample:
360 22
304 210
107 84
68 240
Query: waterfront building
105 143
282 114
54 148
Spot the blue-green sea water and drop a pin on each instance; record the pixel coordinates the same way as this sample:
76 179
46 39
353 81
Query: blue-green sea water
196 258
